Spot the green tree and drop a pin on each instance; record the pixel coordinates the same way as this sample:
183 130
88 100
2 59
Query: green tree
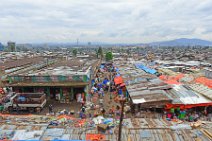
100 52
12 48
129 52
109 56
74 52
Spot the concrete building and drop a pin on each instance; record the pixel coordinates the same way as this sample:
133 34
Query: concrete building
61 80
208 72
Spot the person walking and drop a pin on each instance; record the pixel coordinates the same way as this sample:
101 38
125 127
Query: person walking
102 92
17 108
50 108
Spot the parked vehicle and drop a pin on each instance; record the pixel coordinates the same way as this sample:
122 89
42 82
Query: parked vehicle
25 101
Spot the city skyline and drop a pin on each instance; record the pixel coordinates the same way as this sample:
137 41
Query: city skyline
121 21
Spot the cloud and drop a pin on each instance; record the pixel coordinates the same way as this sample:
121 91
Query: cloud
106 21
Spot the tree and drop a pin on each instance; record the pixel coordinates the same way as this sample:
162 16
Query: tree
12 48
173 49
109 56
100 52
129 52
74 52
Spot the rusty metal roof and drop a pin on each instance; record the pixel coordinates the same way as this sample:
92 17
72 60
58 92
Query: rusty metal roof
21 62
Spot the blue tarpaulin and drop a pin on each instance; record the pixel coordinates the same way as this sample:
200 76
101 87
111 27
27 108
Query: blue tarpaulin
120 91
69 140
100 85
56 140
146 69
92 81
102 66
21 98
105 81
118 74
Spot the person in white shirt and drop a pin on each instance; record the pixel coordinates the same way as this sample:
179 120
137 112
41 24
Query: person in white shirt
102 92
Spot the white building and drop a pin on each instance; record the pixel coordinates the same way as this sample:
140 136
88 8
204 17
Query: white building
208 72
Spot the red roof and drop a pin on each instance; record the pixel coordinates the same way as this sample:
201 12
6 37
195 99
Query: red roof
205 81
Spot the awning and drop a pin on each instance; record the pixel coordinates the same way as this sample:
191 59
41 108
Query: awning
188 106
118 80
138 101
96 137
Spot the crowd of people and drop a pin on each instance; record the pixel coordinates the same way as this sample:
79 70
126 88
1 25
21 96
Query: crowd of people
103 92
191 115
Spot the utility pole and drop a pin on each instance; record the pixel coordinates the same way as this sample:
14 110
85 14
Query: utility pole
110 87
1 84
2 73
122 101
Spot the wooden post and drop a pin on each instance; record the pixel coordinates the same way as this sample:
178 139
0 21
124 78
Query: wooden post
110 87
121 119
1 76
72 94
48 92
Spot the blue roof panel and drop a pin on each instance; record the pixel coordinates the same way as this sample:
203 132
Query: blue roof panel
146 69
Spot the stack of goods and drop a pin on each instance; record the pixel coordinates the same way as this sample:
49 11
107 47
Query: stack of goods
1 91
2 94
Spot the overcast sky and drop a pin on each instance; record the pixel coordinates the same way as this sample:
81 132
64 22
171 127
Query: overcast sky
115 21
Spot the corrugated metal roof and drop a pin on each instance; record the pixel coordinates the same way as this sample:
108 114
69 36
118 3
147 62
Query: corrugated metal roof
186 96
150 96
204 90
134 129
21 62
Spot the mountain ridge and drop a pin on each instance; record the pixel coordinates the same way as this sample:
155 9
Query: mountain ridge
174 42
182 42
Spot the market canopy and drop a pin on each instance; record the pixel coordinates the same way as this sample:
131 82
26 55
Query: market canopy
118 80
187 106
95 137
105 81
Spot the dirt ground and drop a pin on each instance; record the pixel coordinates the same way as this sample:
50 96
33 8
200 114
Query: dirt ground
57 106
108 103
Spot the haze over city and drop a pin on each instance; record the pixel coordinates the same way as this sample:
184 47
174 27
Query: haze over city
119 21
